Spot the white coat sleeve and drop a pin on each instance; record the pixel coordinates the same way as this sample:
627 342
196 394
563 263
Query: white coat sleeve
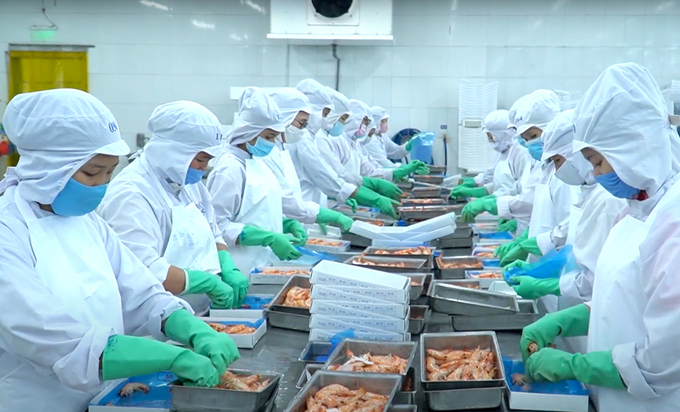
226 184
322 175
562 201
393 150
521 205
145 302
519 162
376 150
295 208
137 227
368 169
650 365
329 153
37 327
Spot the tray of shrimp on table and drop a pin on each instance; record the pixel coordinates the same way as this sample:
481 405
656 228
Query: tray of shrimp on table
290 307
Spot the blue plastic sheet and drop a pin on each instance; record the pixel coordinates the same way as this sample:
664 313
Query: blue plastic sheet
256 302
335 341
158 397
255 324
491 262
496 236
559 388
551 265
315 254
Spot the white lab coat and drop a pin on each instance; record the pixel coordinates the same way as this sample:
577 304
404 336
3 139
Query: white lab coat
49 361
512 163
381 148
560 200
338 151
520 206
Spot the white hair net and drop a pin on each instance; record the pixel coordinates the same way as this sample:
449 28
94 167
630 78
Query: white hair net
534 110
497 123
379 114
256 112
319 99
56 132
290 102
180 130
623 117
358 110
341 106
558 139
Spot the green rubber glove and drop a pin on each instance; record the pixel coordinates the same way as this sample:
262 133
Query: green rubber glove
521 251
593 368
367 197
472 209
296 229
234 278
467 182
462 191
566 323
404 171
508 226
183 327
504 249
383 187
515 264
126 356
331 216
220 293
353 204
279 243
533 288
422 168
410 143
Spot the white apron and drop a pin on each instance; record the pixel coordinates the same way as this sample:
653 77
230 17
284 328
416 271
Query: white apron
618 294
191 244
353 165
290 174
71 260
261 207
542 220
502 178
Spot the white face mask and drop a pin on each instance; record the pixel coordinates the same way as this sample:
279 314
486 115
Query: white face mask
293 134
569 174
500 147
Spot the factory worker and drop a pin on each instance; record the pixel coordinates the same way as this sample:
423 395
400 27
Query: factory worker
294 107
161 210
76 306
245 193
512 162
381 147
633 362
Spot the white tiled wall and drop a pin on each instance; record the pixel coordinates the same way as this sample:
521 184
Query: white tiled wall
150 52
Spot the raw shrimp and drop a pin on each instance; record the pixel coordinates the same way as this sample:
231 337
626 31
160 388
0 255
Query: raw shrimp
450 364
232 329
245 383
341 399
131 387
298 297
372 363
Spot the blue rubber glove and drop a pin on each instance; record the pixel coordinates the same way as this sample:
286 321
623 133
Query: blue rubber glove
234 278
472 209
532 288
566 323
296 229
593 368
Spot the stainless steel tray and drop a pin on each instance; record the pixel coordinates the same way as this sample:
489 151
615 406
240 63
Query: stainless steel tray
425 192
437 170
431 179
405 185
409 389
462 340
453 243
403 408
314 349
307 373
528 314
455 300
372 251
192 398
417 289
456 273
286 320
454 282
277 303
382 384
463 231
464 399
356 240
424 212
412 201
410 265
420 315
405 350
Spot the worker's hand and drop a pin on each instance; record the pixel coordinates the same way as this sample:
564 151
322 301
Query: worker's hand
353 204
521 251
383 187
367 197
542 333
503 250
220 293
508 226
279 243
127 356
472 209
461 191
529 287
422 168
410 143
185 328
386 206
296 229
516 264
467 182
593 368
404 171
234 278
331 216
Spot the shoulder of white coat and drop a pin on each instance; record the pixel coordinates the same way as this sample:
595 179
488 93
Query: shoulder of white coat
13 226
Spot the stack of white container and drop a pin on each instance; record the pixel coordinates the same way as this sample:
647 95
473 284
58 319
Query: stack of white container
374 305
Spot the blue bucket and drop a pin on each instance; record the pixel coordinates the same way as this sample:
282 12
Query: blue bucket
422 148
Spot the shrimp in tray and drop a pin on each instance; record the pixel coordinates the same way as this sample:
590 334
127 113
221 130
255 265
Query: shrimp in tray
298 297
372 363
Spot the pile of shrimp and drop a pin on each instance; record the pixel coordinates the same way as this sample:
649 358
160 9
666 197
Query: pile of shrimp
485 255
341 399
420 250
232 329
461 365
251 383
361 261
488 275
323 242
372 363
459 265
298 297
285 272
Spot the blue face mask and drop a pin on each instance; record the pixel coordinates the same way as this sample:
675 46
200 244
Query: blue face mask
535 150
193 176
76 199
261 148
521 141
337 129
614 185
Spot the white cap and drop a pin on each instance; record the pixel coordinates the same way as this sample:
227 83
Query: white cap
497 123
56 132
290 102
340 106
379 114
534 110
257 112
317 93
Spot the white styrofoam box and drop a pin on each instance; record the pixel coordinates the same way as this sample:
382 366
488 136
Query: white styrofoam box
476 100
110 387
445 223
486 217
333 273
314 230
336 308
326 335
335 292
434 234
528 401
245 341
336 296
340 323
397 243
343 308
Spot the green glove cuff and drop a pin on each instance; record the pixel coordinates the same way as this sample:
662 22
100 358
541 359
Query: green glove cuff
366 197
226 262
531 246
183 327
596 368
478 192
573 321
468 182
288 224
199 282
409 145
524 236
126 356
